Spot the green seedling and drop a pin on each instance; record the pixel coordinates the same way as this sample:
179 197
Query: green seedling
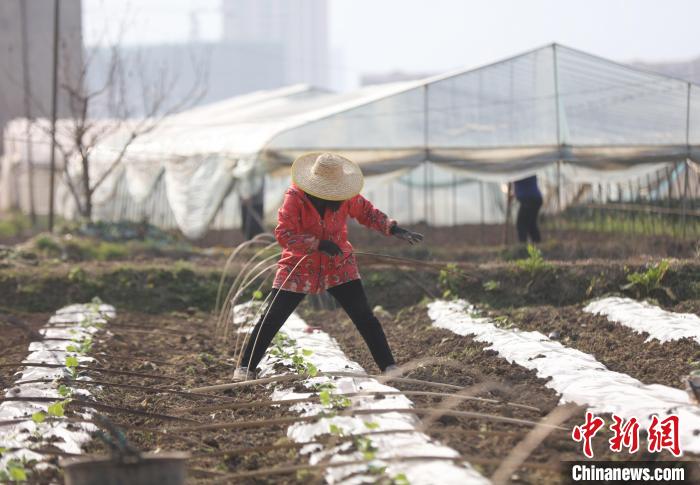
304 367
336 430
304 475
329 400
371 425
644 282
58 409
450 280
365 446
492 285
80 346
323 386
72 366
64 391
534 264
39 417
400 479
14 471
207 359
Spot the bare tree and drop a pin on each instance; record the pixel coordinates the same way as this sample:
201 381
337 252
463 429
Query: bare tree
126 115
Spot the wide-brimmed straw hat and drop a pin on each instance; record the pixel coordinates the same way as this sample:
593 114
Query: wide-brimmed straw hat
327 176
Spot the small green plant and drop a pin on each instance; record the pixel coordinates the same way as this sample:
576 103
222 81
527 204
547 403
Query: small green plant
335 401
57 409
76 275
642 283
303 475
65 391
336 430
80 346
492 285
371 425
48 244
534 263
39 417
365 446
14 470
282 346
376 469
323 386
72 366
400 479
450 280
303 366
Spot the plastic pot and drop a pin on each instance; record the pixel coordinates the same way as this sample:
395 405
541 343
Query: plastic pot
152 468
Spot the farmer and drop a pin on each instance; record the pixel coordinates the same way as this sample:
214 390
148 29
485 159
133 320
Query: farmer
530 198
317 255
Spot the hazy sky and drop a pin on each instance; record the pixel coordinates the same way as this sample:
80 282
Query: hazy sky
437 35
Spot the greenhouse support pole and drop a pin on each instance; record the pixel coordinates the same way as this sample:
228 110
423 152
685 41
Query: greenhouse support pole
454 200
427 155
27 110
54 95
481 208
509 205
559 140
559 186
686 185
684 206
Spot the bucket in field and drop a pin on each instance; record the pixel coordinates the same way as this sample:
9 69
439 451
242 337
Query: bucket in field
150 469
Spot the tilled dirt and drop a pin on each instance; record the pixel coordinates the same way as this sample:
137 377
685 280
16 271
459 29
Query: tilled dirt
17 331
480 441
618 347
179 349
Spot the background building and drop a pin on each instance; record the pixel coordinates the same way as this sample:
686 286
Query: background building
26 41
300 27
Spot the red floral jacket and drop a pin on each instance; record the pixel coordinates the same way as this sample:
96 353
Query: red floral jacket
299 230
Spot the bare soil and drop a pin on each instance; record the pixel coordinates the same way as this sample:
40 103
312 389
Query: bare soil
619 348
412 337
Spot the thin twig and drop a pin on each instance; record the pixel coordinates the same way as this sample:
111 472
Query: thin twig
537 435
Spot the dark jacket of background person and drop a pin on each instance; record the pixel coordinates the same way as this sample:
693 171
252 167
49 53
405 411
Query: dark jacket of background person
528 194
527 188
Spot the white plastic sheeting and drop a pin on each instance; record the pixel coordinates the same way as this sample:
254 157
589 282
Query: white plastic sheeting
644 317
74 322
577 376
328 357
514 118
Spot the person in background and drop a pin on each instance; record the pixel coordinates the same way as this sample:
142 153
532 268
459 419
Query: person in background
317 256
530 198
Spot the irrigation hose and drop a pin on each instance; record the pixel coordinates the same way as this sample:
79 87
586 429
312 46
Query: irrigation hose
239 248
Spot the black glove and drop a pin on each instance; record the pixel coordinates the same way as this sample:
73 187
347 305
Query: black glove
329 247
406 235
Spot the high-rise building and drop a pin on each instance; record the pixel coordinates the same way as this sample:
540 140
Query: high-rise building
26 53
299 26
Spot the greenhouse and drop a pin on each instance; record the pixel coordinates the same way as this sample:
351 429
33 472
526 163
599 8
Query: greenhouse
439 151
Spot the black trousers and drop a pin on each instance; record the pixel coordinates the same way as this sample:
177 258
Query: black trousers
351 296
527 219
